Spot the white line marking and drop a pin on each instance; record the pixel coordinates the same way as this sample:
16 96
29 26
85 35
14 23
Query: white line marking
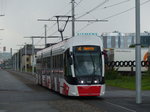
120 106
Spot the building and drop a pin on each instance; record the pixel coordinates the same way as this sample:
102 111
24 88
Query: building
22 60
124 40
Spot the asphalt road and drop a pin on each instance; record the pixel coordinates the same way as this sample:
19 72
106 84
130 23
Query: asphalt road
19 93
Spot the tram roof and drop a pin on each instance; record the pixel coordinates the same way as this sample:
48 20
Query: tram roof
74 41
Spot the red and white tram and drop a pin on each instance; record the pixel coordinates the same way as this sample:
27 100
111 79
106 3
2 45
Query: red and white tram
73 67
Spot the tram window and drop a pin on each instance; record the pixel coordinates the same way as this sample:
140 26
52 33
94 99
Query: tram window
48 62
61 61
67 64
88 62
57 61
44 62
38 61
53 62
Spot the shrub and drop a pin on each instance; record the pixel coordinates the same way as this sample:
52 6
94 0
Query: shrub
111 74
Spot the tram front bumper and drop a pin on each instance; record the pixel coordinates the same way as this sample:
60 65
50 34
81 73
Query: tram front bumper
89 90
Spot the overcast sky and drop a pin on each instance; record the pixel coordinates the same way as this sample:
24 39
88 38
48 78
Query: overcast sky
21 16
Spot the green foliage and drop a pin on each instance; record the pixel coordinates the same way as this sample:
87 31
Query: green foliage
146 83
128 82
133 46
111 74
147 73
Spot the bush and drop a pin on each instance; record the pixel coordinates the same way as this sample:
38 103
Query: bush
111 74
147 73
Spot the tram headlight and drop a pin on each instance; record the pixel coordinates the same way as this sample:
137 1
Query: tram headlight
96 81
81 81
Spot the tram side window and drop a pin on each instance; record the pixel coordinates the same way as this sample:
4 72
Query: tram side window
61 61
48 62
38 65
44 63
67 64
38 62
53 62
58 62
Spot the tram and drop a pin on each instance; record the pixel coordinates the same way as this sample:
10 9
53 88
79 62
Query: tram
73 67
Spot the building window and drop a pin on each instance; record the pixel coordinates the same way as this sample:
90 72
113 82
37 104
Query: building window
27 59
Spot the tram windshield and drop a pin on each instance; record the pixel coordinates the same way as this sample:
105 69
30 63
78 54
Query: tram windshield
87 60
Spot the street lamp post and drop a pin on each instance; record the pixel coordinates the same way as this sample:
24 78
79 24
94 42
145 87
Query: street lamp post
138 54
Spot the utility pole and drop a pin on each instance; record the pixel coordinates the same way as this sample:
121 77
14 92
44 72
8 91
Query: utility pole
25 60
45 34
18 61
15 62
138 54
73 18
11 63
21 59
33 56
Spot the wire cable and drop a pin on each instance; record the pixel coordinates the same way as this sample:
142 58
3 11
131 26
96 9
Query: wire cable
117 14
82 15
109 17
53 25
93 9
125 1
77 4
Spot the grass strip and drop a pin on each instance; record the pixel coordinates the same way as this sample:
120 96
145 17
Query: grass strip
128 82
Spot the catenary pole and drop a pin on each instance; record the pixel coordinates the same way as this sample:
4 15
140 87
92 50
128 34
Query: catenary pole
32 56
138 54
73 18
45 26
25 58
